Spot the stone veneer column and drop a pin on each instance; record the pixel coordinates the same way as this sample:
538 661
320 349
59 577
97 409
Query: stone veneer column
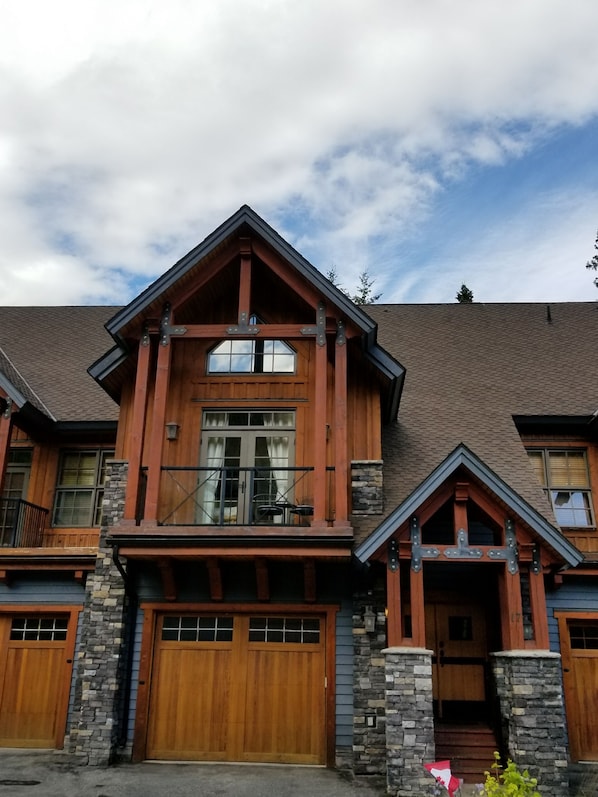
94 724
369 710
529 690
409 721
367 487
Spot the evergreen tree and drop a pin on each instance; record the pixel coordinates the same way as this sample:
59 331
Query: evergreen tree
364 293
465 296
593 263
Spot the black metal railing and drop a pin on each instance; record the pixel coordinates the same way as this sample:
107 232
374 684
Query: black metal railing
22 524
232 496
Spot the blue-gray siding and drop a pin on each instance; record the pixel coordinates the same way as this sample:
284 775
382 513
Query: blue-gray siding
344 675
43 591
577 594
135 674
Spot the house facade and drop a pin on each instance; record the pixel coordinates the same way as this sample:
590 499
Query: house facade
243 519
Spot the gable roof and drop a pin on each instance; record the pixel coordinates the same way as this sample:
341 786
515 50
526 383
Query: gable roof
244 222
462 457
44 355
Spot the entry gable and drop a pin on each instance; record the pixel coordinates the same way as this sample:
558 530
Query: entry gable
463 458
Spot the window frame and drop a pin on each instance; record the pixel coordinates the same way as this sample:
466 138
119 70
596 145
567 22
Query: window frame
257 352
95 490
551 488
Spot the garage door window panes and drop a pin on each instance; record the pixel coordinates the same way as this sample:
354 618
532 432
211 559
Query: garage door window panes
284 629
40 629
197 629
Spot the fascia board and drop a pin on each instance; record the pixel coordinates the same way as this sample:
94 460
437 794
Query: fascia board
107 363
11 391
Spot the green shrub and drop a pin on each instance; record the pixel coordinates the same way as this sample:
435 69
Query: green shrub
508 782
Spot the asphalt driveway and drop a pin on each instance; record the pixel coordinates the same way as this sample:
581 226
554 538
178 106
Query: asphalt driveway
33 774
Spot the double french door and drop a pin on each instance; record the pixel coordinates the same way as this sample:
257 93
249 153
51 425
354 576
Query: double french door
246 460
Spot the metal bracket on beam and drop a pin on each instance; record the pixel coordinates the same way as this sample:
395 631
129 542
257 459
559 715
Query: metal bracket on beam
419 553
243 327
536 560
166 331
463 551
5 407
393 556
145 335
320 328
509 552
341 333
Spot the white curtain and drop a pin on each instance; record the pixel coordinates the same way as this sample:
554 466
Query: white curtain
278 452
210 480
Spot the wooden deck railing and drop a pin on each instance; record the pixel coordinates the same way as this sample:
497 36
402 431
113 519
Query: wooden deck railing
21 524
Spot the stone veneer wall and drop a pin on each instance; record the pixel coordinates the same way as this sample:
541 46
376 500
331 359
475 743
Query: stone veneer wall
529 689
367 485
409 722
369 711
93 733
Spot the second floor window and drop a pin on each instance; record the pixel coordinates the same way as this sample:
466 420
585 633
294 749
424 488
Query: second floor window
80 488
564 475
254 356
251 357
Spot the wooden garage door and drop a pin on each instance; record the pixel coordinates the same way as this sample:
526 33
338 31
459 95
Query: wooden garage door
242 688
35 668
579 649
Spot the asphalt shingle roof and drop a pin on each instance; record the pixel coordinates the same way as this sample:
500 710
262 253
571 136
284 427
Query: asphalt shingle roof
48 350
470 369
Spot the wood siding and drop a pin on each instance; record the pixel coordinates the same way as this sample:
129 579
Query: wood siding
191 391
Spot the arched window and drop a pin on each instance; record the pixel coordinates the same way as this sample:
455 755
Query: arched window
256 356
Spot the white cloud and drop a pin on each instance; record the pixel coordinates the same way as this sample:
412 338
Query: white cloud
536 256
130 129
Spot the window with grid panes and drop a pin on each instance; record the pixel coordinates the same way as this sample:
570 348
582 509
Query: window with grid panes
564 475
256 356
80 488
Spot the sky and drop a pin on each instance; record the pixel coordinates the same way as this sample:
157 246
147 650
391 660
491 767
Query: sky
431 143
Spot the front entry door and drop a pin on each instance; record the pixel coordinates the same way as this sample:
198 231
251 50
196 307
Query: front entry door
456 632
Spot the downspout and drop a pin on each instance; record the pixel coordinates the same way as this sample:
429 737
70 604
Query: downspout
129 640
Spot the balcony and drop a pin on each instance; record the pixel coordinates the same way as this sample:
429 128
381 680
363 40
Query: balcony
22 524
235 496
